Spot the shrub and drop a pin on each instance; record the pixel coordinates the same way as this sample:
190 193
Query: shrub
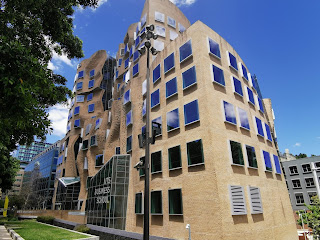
45 219
82 228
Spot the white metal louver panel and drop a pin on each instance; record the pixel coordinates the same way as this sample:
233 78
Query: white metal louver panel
255 200
237 200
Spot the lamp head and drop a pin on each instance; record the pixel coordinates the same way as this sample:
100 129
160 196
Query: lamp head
147 44
142 50
150 27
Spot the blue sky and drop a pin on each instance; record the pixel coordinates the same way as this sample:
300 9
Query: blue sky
277 40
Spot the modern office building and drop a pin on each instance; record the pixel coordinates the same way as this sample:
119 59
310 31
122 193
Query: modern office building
39 177
300 181
214 164
26 153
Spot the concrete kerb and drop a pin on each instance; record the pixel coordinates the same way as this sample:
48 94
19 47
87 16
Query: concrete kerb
13 234
90 237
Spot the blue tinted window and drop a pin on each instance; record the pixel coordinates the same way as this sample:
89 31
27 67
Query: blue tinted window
135 70
126 49
118 86
171 87
233 61
143 20
254 83
126 97
89 97
218 76
268 132
126 63
129 118
79 85
91 108
169 63
259 127
117 150
137 41
191 112
129 144
229 112
155 98
173 120
267 161
92 73
80 74
214 48
119 62
189 77
77 123
156 73
136 55
157 125
76 110
91 83
260 105
124 77
131 52
237 86
117 74
185 51
142 31
80 98
144 108
244 72
244 121
277 164
250 96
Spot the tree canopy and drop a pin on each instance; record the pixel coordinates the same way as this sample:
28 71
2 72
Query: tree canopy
312 216
30 32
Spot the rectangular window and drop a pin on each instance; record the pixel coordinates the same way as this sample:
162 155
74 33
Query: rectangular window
236 153
185 51
267 161
117 151
244 121
143 20
237 86
191 112
89 97
268 132
119 62
309 182
250 96
299 198
251 155
254 82
229 113
129 118
88 128
117 74
171 22
156 165
91 73
173 120
169 63
296 183
181 28
259 127
158 45
214 48
126 63
77 123
127 97
156 75
189 77
91 108
173 35
142 170
121 51
93 141
306 168
174 157
218 76
175 202
138 204
91 83
171 87
156 203
77 110
129 144
195 152
136 56
137 41
144 108
79 85
232 61
293 170
88 182
237 200
99 160
80 98
135 70
277 164
98 123
157 126
244 72
85 144
81 74
159 17
261 109
255 200
161 31
155 98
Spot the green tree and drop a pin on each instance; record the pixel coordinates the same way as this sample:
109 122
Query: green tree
9 167
30 32
301 155
312 216
16 201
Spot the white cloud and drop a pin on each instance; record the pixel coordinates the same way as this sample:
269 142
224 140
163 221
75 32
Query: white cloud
58 115
297 144
183 2
63 58
52 66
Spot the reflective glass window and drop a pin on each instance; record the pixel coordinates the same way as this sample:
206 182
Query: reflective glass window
76 110
181 27
144 107
268 132
189 77
158 16
92 73
117 150
244 72
254 83
236 153
171 22
88 127
218 76
233 61
79 85
214 48
277 164
260 105
155 98
259 127
229 113
267 161
142 170
156 74
157 125
174 157
138 204
129 143
169 63
195 152
171 87
137 41
244 121
127 97
185 51
135 70
117 74
77 123
91 83
156 202
131 52
251 155
126 63
191 112
143 20
136 55
250 96
237 86
173 35
161 31
175 202
99 160
80 98
119 62
91 108
173 120
156 159
89 97
98 123
129 118
81 74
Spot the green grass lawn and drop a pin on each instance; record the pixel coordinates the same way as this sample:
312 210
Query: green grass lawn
32 230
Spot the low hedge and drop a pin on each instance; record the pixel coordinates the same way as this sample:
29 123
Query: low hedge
45 219
82 228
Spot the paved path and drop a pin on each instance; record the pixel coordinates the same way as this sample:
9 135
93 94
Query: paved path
4 235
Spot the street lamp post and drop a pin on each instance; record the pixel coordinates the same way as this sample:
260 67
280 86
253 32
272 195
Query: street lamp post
314 171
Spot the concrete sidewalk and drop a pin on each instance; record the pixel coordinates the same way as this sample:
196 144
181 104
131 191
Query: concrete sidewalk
4 235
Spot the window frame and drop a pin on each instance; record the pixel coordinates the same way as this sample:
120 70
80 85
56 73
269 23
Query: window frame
212 67
233 81
90 94
184 113
229 61
142 204
174 64
133 69
296 179
209 48
248 96
169 158
151 107
183 79
131 120
308 171
247 158
130 150
181 202
240 122
264 161
169 24
176 85
305 181
190 55
152 191
102 160
241 66
231 157
196 164
178 120
296 173
151 163
153 78
78 112
89 108
91 83
80 87
295 197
